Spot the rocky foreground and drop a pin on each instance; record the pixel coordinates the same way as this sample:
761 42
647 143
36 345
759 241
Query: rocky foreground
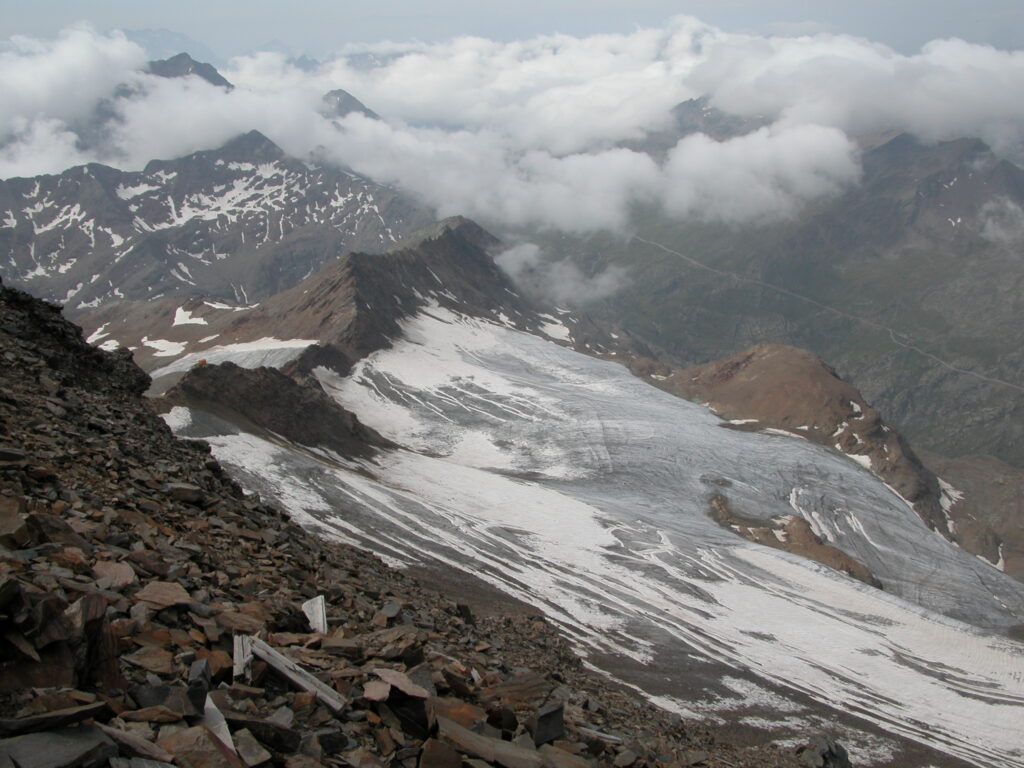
153 614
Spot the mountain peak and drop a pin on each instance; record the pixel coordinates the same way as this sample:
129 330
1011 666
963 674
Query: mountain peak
458 226
339 103
183 65
251 146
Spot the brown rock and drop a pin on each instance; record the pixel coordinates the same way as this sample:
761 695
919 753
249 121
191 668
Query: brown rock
437 754
14 532
157 714
275 736
82 747
402 682
462 712
240 622
118 575
199 748
559 758
153 659
163 594
186 492
486 748
301 761
132 745
251 751
376 690
625 759
520 689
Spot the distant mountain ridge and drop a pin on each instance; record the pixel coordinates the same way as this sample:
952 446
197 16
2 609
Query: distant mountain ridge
182 65
239 223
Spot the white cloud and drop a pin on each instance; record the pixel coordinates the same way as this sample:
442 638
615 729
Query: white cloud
1002 222
948 90
763 175
557 280
529 132
61 80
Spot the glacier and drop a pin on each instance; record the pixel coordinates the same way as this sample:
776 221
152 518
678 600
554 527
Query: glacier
572 485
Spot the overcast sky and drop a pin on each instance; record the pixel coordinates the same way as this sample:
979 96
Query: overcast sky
231 27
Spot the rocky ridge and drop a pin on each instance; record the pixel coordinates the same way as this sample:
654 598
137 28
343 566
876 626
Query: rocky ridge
351 307
131 567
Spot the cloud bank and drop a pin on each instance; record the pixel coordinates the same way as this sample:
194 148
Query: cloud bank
547 132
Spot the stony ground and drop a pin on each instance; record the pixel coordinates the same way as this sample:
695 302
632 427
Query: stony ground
151 613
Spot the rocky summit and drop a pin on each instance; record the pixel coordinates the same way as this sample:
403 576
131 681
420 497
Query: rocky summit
153 614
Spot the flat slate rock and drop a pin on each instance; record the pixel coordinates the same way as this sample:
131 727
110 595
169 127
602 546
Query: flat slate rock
81 747
163 594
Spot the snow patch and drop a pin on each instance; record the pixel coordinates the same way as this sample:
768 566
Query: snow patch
183 316
163 347
99 333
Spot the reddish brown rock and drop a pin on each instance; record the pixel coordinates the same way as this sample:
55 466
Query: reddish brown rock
163 594
117 575
199 748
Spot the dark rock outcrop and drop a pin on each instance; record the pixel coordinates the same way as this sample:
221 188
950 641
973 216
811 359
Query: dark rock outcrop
267 399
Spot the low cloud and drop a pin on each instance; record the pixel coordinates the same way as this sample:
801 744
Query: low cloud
559 281
1002 222
543 132
767 174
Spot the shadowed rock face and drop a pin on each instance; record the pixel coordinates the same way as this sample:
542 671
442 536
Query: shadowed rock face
39 326
782 387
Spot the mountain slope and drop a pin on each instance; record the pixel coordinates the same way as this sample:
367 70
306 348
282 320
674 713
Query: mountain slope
238 223
573 485
129 563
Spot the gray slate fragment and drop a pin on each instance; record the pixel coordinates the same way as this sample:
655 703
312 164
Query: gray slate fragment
548 724
82 747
